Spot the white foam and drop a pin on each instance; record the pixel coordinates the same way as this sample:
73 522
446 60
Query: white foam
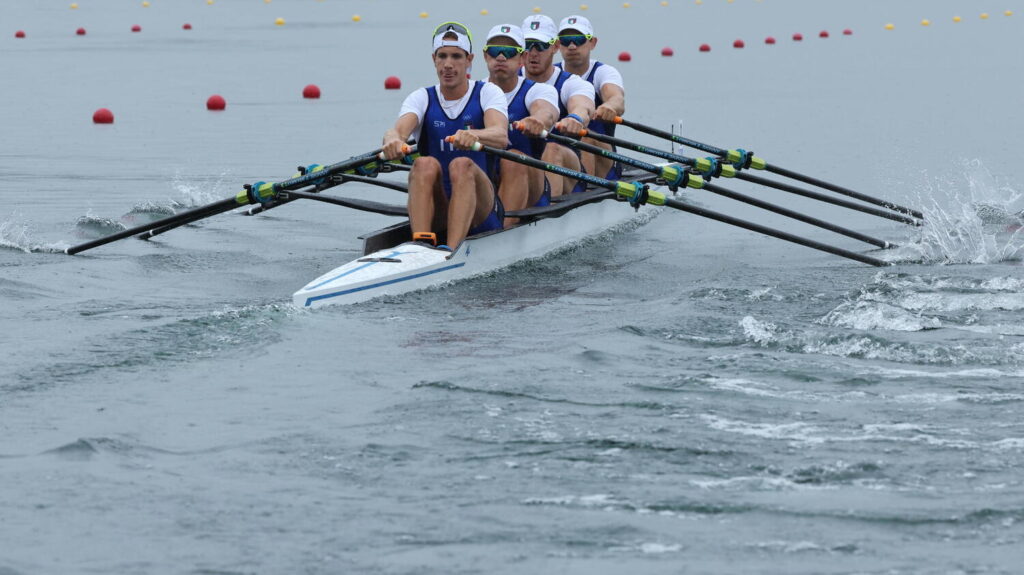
761 332
867 315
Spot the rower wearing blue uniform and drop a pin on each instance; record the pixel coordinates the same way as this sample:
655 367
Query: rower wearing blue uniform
576 41
576 97
532 109
449 184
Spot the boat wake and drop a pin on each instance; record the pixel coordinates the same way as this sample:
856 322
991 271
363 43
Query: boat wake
979 225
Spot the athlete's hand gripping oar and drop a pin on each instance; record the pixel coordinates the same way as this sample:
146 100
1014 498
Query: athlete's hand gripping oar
260 192
745 159
638 194
716 168
675 175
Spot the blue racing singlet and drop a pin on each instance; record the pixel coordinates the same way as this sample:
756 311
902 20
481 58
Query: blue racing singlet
517 110
437 126
596 126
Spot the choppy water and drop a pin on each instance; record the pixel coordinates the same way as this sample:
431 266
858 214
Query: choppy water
679 398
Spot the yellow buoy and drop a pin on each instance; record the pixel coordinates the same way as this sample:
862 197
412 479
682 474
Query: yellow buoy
584 6
625 4
209 2
698 2
984 15
536 9
664 2
266 1
356 18
74 6
424 15
145 3
1008 13
279 22
926 22
484 12
889 26
956 18
729 1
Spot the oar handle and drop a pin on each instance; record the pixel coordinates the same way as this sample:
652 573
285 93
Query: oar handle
406 150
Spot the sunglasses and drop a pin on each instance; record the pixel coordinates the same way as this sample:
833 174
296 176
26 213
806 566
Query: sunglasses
574 39
540 46
453 27
508 52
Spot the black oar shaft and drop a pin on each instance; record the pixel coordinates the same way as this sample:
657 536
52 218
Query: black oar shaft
844 191
774 233
827 199
177 219
774 169
616 186
798 216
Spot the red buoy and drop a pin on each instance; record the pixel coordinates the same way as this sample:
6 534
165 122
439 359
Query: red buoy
769 40
311 92
216 102
186 26
103 116
666 51
136 28
19 34
80 31
705 48
847 32
738 44
625 57
823 34
798 37
392 83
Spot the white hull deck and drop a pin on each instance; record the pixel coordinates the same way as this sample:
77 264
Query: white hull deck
414 266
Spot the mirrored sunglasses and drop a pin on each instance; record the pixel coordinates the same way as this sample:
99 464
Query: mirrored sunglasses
574 39
508 52
540 46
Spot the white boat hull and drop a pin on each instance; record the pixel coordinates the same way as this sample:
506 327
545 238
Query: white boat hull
414 266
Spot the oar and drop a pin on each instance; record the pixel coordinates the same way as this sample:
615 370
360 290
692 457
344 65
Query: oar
258 192
748 160
638 194
718 169
366 170
673 175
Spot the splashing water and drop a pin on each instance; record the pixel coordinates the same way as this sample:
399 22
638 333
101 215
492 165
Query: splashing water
200 192
17 236
980 226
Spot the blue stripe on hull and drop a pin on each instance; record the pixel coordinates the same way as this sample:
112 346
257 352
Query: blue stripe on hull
309 301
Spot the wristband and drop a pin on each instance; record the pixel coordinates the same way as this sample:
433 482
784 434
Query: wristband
578 119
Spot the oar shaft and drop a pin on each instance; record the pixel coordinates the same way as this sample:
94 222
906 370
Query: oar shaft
640 148
774 233
844 191
746 176
620 188
177 219
798 216
774 169
673 137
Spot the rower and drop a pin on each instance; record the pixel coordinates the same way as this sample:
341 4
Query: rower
532 109
576 97
449 185
576 41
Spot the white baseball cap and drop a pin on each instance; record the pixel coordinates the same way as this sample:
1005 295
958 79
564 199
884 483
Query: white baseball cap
509 31
578 23
461 41
539 27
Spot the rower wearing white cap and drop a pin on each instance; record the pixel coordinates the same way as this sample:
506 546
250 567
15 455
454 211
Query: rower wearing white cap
532 106
449 184
576 40
576 96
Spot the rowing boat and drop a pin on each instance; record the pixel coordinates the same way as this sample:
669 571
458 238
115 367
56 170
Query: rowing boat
391 266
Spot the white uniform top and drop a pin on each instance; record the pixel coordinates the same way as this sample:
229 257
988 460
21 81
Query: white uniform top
491 98
605 75
574 85
538 91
